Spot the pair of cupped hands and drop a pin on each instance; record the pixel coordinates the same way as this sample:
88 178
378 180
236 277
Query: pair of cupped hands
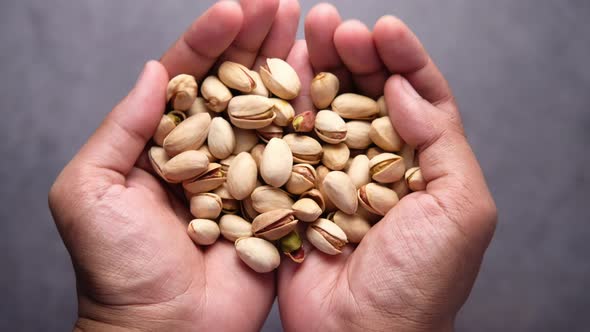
136 267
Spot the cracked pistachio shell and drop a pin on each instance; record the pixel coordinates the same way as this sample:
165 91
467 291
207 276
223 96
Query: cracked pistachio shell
245 140
384 135
273 225
304 148
410 157
236 76
185 165
166 125
354 226
269 132
307 210
251 111
267 198
158 158
377 199
382 106
303 178
280 78
357 135
181 92
284 112
415 180
387 168
324 88
205 149
212 178
233 227
230 205
226 163
401 188
197 107
216 94
335 156
203 231
373 151
330 127
260 89
247 209
257 152
241 176
355 107
276 163
358 171
322 171
259 254
316 196
190 134
206 206
341 191
221 140
326 236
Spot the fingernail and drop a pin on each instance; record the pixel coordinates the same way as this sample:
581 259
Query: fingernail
409 89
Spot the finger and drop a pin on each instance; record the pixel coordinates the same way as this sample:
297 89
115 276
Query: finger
355 46
258 18
299 59
122 136
282 34
448 164
402 53
320 25
205 40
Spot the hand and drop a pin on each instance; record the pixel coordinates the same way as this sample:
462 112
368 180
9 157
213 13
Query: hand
135 265
414 269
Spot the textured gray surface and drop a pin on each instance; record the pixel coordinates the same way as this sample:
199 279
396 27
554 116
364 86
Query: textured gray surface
520 72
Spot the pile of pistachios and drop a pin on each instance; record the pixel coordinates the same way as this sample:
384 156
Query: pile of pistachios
265 178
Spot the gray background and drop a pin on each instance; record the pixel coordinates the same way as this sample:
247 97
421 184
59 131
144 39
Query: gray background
520 72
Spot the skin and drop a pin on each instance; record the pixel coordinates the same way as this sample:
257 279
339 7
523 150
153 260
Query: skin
136 267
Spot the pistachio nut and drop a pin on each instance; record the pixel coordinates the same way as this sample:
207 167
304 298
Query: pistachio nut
247 209
267 198
245 140
185 165
335 156
269 132
330 127
259 254
273 225
158 158
357 136
382 106
306 209
260 89
203 231
257 152
326 236
230 205
251 111
355 107
410 156
354 226
190 134
292 247
276 163
206 206
205 149
316 196
341 191
284 112
181 92
373 151
167 123
221 140
384 135
226 163
377 199
241 176
304 122
280 78
322 171
236 76
304 148
233 227
387 168
371 217
212 178
415 180
216 94
198 106
303 178
324 88
401 188
358 171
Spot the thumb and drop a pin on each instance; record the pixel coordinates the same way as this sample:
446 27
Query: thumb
448 164
118 142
